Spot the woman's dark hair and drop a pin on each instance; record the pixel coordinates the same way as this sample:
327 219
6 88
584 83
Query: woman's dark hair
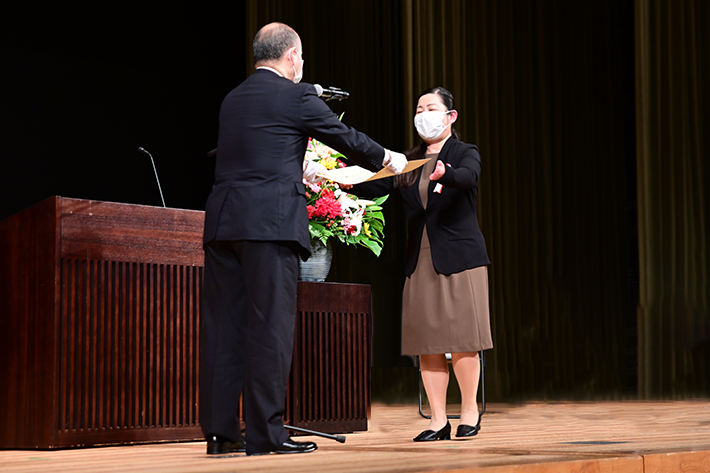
403 181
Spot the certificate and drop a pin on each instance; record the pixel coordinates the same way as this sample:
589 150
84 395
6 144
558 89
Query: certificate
352 175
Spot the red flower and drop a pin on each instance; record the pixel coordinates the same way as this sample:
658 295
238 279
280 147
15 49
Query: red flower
327 206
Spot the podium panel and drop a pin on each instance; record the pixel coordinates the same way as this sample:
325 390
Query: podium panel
100 305
329 387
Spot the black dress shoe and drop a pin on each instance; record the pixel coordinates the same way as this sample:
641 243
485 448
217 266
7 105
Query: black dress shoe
291 446
430 435
218 445
464 430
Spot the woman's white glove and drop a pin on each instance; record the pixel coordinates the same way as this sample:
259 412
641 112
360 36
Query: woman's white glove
394 161
311 171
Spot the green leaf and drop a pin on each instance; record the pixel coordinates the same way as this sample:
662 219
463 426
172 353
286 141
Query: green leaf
377 249
376 224
378 216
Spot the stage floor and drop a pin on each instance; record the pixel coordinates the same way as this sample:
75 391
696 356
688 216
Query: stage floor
535 437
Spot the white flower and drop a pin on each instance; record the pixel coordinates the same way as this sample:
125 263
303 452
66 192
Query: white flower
357 222
348 205
352 210
324 151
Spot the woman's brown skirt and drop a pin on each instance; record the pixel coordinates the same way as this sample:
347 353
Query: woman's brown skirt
445 314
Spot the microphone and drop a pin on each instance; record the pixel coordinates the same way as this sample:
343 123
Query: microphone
143 150
331 93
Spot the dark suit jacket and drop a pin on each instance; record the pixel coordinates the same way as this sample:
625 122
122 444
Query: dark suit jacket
264 125
451 220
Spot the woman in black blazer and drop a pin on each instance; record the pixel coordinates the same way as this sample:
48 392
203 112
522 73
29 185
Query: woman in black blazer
445 302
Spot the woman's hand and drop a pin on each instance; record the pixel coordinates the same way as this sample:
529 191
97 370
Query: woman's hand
439 172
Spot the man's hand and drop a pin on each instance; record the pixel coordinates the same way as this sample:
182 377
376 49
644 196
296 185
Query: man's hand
311 170
395 162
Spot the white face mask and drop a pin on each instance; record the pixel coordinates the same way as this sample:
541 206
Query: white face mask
430 125
297 77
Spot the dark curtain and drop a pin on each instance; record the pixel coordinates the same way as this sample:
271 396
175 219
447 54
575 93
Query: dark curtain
673 116
547 91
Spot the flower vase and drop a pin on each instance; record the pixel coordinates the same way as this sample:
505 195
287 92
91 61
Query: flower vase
318 265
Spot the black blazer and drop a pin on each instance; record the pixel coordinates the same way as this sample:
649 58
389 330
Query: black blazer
451 220
264 125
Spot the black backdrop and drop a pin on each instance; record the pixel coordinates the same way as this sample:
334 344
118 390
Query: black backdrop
83 88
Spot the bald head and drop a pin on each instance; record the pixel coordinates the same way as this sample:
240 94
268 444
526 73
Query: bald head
272 41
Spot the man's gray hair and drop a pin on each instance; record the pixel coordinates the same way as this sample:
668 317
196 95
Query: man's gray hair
271 44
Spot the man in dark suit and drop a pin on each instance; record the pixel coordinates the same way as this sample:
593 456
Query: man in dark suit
256 225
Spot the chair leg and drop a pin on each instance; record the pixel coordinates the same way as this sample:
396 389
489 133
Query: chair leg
419 367
482 381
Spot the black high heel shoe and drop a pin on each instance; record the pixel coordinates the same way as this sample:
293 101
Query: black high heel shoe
430 435
464 430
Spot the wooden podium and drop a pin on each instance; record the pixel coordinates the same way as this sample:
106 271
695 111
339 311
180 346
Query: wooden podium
99 308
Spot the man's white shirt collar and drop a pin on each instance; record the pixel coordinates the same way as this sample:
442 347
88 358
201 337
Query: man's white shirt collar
271 69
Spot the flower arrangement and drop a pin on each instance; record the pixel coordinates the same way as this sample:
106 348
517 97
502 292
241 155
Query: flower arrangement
333 213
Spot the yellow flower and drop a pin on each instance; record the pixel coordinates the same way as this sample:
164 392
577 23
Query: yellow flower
366 229
329 163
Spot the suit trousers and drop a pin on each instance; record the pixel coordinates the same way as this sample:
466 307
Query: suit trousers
248 313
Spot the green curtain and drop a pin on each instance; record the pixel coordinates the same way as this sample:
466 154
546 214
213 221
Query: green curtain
673 118
549 102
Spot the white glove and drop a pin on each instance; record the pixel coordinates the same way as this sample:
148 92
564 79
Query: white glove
311 170
396 161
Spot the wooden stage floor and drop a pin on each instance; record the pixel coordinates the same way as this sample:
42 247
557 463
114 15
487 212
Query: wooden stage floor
536 437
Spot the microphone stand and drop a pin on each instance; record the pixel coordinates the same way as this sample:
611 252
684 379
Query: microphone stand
143 150
338 438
